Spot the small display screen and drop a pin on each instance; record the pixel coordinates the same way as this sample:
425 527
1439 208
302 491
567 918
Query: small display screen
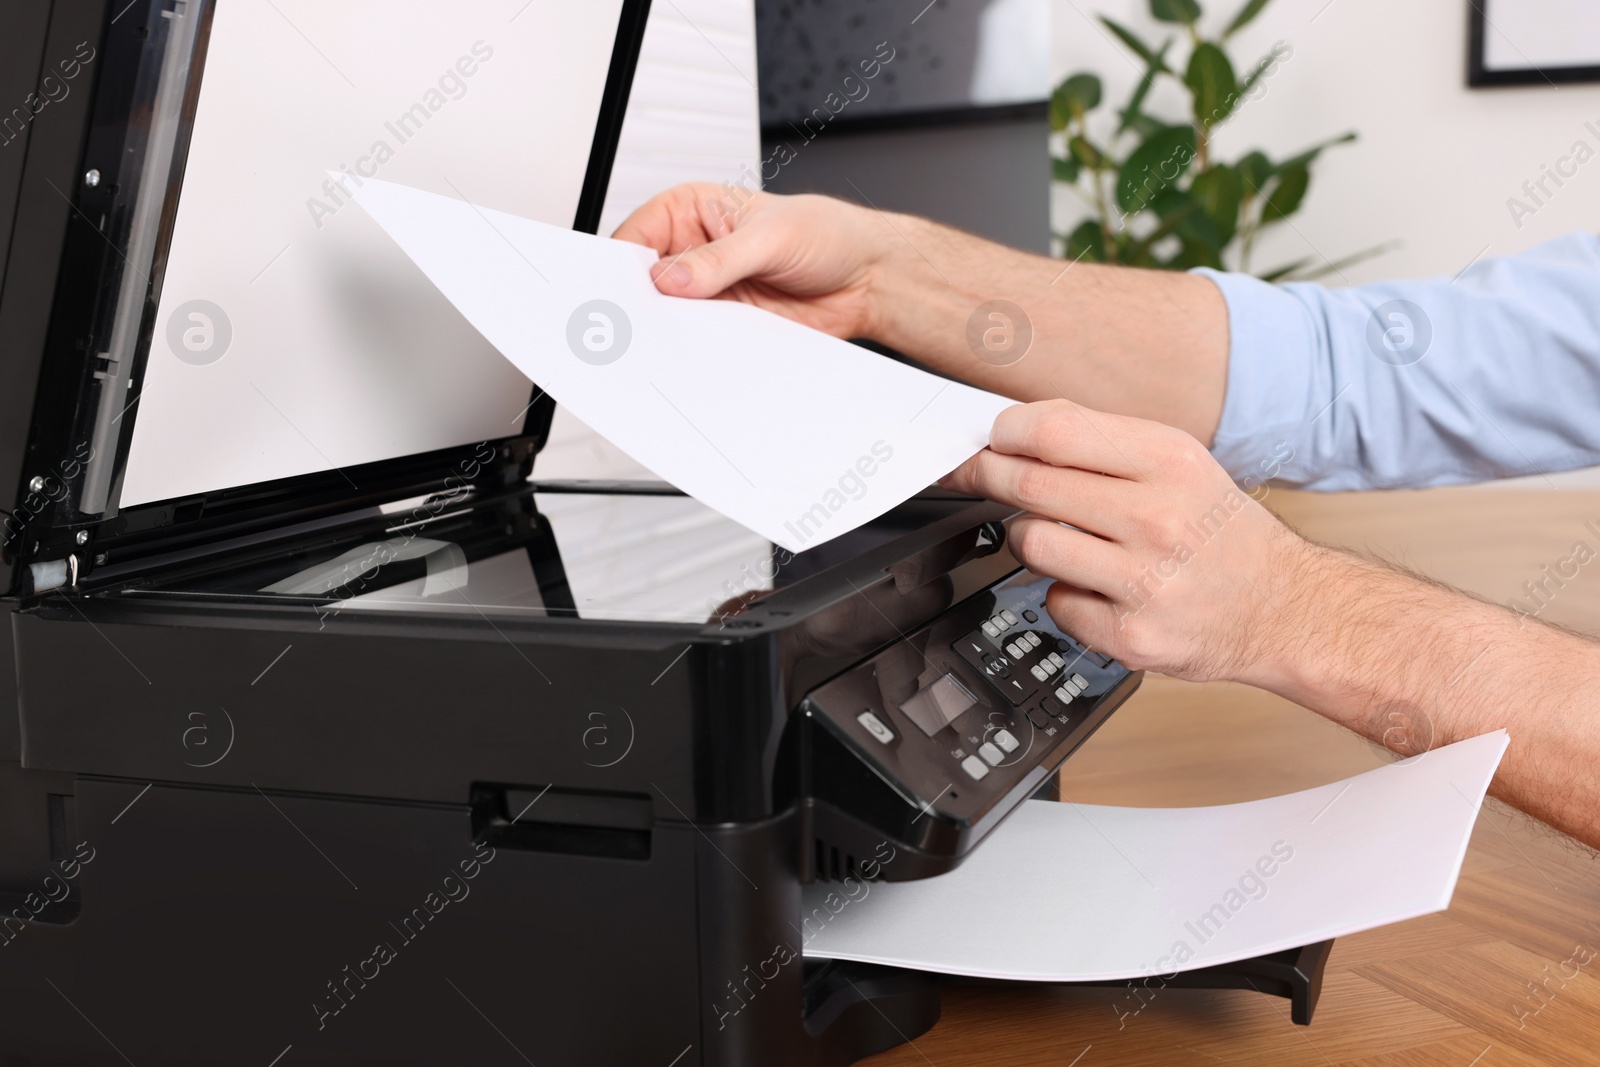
938 704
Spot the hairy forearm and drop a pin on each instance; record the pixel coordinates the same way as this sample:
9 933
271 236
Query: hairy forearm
1146 343
1414 665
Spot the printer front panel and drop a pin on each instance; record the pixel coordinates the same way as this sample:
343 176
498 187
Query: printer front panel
385 708
935 740
221 926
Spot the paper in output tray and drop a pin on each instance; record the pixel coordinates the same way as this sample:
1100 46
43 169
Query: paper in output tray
1074 892
797 435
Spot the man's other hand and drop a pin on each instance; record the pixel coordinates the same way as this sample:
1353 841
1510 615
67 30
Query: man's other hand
1160 560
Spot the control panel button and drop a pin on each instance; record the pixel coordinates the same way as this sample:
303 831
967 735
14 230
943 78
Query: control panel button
1039 719
974 768
875 727
1015 650
1065 695
1039 672
998 671
1034 640
1011 620
990 629
991 755
1080 681
1056 661
1006 742
1031 615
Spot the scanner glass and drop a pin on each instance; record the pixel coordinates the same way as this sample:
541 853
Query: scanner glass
648 554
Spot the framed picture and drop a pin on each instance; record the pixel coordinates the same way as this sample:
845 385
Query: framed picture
1532 42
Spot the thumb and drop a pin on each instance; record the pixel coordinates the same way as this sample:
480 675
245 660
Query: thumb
706 270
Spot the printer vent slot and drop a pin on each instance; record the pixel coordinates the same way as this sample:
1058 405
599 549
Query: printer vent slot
832 865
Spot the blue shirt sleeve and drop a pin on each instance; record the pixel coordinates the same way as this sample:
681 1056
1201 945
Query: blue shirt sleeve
1407 384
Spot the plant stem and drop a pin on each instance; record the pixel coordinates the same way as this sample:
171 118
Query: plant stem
1102 209
1247 232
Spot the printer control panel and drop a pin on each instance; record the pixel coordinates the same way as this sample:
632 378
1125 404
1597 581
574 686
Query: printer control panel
966 716
1045 676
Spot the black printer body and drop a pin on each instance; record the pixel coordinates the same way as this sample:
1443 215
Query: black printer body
414 761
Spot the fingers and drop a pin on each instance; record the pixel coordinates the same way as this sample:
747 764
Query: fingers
682 217
1069 435
729 258
663 222
1094 502
696 229
1086 615
1081 559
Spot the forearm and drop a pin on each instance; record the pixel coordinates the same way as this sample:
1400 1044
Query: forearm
1413 665
1146 343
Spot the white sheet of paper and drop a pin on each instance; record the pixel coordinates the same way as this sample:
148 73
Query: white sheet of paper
797 435
1073 892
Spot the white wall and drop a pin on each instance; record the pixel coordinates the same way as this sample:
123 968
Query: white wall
1435 162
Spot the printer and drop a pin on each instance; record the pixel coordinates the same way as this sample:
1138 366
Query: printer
330 733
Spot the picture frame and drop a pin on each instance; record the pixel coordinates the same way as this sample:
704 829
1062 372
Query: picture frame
1532 42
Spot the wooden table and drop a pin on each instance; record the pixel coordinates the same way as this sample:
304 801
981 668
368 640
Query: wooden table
1493 982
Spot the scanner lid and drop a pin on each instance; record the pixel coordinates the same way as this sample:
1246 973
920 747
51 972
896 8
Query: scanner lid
230 343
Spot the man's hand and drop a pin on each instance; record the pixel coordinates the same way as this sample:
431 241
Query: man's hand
1160 560
809 258
1167 565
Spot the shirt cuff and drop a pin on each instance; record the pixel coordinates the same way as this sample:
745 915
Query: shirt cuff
1272 377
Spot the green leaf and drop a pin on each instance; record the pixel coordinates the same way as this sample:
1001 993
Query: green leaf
1245 16
1087 242
1154 165
1210 77
1285 270
1145 126
1257 72
1133 112
1086 153
1337 266
1177 212
1254 170
1064 170
1073 97
1139 48
1184 11
1218 190
1305 158
1185 216
1286 194
1121 242
1194 254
